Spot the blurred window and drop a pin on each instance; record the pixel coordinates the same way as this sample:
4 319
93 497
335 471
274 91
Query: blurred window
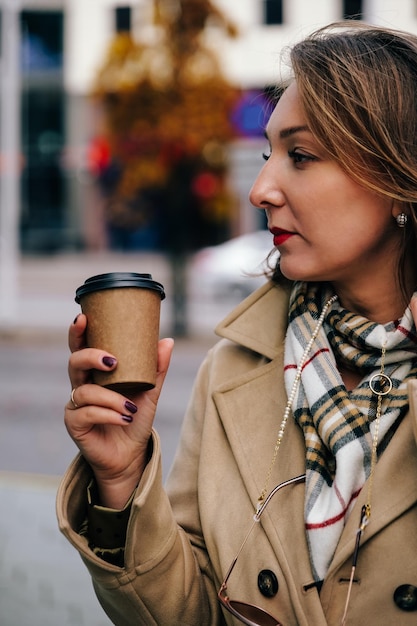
123 19
352 9
273 12
43 200
42 40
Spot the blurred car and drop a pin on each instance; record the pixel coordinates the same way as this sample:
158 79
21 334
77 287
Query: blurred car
232 269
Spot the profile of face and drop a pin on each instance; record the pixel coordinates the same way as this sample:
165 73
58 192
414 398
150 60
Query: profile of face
326 226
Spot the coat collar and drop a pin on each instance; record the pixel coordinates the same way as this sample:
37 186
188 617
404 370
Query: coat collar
259 325
259 322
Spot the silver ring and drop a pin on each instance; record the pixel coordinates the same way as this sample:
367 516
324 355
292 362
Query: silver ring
74 404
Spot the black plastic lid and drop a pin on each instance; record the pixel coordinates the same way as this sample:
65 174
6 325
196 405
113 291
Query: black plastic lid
114 280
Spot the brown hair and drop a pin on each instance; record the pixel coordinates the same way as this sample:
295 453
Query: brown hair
358 88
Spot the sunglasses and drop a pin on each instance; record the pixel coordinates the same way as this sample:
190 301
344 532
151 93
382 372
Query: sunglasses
250 614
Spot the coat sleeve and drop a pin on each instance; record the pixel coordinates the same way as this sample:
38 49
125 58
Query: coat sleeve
167 578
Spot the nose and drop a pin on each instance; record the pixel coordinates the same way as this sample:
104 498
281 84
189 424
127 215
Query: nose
266 191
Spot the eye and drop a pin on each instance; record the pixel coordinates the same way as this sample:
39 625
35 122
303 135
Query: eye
300 158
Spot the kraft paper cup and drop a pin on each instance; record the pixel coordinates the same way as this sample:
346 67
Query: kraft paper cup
123 313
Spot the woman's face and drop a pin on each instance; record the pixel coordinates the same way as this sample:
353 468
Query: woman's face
325 225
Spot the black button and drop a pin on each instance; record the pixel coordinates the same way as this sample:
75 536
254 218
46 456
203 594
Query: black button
405 597
267 583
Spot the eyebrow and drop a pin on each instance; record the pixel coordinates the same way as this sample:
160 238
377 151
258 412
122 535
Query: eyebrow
288 132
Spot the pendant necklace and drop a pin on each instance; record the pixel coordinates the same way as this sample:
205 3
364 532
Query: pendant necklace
380 385
288 406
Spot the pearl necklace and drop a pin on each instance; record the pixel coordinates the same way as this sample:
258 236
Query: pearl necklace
288 406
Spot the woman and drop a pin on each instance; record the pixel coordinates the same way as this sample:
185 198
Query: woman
311 390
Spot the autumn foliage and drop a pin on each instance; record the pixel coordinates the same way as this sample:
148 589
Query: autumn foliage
166 109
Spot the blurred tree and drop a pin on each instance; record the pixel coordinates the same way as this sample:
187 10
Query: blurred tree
166 111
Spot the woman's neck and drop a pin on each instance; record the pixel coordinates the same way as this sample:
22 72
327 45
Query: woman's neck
350 377
380 305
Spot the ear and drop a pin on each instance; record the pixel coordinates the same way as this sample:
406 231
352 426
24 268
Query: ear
399 207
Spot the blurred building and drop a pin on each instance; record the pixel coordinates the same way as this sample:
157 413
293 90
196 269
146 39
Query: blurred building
62 45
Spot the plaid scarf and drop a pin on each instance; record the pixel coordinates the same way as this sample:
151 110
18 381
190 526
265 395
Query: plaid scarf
337 424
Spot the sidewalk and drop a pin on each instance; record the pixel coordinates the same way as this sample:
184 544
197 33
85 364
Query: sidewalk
42 579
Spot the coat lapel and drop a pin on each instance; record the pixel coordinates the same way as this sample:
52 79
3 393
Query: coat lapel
251 408
251 405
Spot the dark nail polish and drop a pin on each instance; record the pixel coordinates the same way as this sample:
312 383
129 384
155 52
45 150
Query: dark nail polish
75 320
130 406
109 361
127 418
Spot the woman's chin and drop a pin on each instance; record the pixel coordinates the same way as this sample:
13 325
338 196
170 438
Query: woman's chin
294 274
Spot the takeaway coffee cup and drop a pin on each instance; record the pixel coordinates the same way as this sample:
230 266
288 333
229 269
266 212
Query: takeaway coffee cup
123 312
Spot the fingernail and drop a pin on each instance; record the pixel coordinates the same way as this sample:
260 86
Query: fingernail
75 320
130 406
109 361
127 418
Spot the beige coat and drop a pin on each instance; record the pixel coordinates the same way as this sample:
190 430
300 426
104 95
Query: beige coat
178 550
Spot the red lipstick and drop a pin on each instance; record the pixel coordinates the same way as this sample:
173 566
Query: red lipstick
280 235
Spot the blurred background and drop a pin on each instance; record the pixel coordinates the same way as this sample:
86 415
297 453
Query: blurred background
130 135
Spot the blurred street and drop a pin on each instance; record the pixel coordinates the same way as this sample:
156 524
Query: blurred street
42 581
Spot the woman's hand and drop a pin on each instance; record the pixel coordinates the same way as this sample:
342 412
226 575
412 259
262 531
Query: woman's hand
111 430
